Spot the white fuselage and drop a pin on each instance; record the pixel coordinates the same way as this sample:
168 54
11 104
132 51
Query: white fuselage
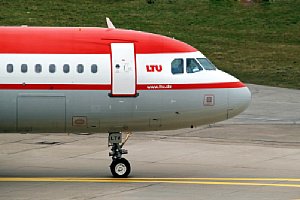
74 79
157 104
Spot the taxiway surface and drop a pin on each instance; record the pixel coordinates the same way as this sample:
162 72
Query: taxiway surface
253 156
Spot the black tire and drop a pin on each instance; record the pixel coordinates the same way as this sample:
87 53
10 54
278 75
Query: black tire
120 168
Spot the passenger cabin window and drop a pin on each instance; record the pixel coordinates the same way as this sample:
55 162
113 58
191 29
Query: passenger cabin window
9 68
206 64
94 68
38 68
24 68
177 66
192 66
52 68
80 68
66 68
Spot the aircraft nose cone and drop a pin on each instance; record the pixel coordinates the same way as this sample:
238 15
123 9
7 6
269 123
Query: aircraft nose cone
238 101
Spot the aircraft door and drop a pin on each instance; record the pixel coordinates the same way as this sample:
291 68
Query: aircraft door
123 69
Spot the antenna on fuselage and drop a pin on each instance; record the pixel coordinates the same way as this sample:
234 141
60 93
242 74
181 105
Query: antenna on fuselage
109 23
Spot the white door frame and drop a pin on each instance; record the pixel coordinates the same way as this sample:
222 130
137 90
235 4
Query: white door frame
123 70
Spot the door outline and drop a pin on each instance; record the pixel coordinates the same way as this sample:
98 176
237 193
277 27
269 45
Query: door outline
19 129
133 76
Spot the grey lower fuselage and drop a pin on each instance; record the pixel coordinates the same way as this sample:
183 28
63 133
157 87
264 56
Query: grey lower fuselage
95 111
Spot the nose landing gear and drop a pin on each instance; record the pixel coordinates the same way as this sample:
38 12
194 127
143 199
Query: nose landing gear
120 167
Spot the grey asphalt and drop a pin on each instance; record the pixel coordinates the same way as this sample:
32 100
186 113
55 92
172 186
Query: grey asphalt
255 155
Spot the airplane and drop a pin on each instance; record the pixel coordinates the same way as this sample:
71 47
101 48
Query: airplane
88 79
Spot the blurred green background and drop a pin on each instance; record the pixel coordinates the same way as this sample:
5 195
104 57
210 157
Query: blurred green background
256 42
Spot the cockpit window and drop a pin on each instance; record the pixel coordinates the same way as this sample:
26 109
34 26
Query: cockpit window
192 65
177 66
206 64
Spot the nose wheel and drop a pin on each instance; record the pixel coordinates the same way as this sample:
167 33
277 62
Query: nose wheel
120 167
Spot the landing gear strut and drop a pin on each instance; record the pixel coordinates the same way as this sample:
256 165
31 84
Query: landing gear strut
120 167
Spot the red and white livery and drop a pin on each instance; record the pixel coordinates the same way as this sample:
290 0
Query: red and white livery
109 80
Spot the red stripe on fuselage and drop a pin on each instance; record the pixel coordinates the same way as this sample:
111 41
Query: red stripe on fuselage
108 86
191 86
55 87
